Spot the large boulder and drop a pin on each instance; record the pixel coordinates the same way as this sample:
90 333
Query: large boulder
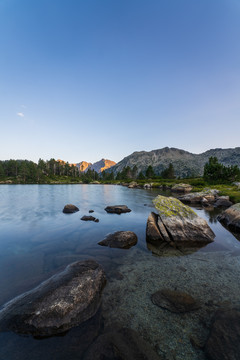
70 208
177 225
174 301
120 344
182 188
231 218
224 339
65 300
117 209
223 202
120 239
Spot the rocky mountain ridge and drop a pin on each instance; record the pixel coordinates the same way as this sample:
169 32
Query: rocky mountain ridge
185 164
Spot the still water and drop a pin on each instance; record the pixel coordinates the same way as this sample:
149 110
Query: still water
37 240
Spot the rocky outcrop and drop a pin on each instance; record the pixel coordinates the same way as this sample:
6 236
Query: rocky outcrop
65 300
231 218
69 209
133 185
117 209
182 188
177 225
120 239
83 166
147 186
224 340
174 301
122 344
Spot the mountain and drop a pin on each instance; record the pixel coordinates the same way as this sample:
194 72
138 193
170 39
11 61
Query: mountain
98 166
185 163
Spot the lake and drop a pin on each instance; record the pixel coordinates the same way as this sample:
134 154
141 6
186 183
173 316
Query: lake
37 240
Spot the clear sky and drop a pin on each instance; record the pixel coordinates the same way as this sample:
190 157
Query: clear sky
82 80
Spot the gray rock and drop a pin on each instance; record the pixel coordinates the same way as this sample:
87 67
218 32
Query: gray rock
223 201
231 218
177 225
203 197
120 239
182 188
174 301
65 300
224 339
69 209
117 209
122 344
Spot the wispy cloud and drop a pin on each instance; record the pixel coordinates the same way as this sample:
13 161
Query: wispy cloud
20 114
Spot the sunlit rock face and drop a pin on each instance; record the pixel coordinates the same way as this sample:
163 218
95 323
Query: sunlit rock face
65 300
83 166
176 226
98 166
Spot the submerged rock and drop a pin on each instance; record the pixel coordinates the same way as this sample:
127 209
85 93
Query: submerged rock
65 300
182 188
69 209
117 209
231 218
174 301
89 218
122 344
177 225
224 340
120 239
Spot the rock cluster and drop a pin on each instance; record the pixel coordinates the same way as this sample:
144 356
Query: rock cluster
207 197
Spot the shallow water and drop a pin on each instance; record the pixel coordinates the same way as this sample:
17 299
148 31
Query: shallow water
37 240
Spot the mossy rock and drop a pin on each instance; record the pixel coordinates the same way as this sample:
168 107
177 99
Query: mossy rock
169 207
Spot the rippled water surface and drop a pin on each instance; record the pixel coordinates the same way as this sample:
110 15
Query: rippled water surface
37 240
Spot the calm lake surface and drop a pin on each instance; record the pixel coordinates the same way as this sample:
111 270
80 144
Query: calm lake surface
37 240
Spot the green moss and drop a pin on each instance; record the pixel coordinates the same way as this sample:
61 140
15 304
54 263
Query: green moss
170 207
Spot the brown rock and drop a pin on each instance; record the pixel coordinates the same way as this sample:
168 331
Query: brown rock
117 209
231 218
69 209
174 301
120 239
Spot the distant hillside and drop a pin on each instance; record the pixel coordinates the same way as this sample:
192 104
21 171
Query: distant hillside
98 166
185 163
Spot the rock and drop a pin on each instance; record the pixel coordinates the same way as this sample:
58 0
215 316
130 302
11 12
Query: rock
182 188
174 301
91 211
65 300
203 197
133 185
69 209
224 339
223 201
122 344
231 218
120 239
237 184
117 209
89 218
147 186
177 225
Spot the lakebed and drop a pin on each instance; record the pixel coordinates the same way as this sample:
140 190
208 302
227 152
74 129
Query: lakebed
37 240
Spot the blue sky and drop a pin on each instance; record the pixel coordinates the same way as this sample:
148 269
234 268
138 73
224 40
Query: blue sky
82 80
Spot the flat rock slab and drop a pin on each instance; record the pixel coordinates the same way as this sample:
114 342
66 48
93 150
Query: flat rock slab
117 209
174 301
70 208
231 218
224 339
120 239
65 300
89 218
123 344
